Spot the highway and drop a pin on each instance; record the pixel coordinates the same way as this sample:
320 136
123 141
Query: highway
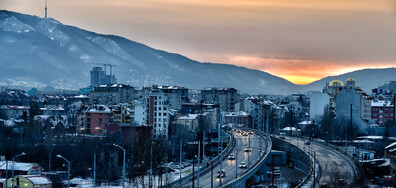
256 142
333 164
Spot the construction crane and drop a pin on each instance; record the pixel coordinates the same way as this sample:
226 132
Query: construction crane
105 70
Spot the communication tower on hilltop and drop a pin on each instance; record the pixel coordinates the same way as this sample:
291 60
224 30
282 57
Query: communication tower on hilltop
45 8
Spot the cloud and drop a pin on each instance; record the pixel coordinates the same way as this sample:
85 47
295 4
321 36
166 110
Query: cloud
302 71
295 39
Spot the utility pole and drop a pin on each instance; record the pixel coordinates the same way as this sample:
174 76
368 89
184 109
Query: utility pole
166 169
6 172
211 177
203 146
151 164
273 169
236 159
314 169
180 164
199 154
49 162
248 163
193 174
351 128
221 158
394 113
94 170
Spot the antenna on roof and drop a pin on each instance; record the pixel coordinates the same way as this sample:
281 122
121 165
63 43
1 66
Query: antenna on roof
45 8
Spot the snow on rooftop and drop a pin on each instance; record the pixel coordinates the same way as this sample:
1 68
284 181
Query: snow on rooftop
381 103
188 117
290 129
38 179
371 137
81 96
19 166
99 109
305 123
391 145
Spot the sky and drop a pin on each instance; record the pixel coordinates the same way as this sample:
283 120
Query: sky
299 40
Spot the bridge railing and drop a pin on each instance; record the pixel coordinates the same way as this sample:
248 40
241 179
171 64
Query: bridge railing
207 168
240 182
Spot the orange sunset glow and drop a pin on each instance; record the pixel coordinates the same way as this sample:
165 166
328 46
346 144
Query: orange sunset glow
299 40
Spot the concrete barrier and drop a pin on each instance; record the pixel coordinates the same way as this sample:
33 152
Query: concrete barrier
206 169
241 181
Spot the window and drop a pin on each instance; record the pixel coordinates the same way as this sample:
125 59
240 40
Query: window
100 119
159 108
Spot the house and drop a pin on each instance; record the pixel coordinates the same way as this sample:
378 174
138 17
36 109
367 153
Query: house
29 181
20 168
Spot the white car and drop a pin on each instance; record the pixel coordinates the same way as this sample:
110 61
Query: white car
231 157
242 165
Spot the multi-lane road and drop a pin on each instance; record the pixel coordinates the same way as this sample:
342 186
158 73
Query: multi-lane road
333 164
231 167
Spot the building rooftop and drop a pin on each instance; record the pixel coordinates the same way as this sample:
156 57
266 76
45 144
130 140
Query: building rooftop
381 103
19 166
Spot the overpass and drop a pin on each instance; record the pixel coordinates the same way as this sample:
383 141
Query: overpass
260 145
332 163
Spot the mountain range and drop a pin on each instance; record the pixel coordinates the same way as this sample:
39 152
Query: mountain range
36 52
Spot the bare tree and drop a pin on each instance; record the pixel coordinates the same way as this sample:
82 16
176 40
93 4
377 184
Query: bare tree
334 175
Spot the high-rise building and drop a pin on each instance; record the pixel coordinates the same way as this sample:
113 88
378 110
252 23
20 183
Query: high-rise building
225 97
100 77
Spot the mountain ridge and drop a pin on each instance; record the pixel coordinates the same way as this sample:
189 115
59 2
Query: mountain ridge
38 52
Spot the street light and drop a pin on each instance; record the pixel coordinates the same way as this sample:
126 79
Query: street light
68 169
13 167
123 165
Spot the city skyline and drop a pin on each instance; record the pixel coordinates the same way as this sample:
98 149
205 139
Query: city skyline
301 41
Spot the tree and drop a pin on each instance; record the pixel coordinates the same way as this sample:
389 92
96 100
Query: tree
334 173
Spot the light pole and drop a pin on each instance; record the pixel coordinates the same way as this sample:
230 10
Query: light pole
123 165
13 167
68 169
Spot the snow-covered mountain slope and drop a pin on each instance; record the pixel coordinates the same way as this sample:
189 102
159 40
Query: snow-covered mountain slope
35 52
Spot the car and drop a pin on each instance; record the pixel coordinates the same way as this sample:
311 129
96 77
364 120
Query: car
242 165
238 131
341 182
323 185
250 132
221 173
247 149
282 135
231 157
307 142
245 134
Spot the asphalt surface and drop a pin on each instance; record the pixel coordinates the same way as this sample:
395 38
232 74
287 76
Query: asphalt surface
333 164
250 158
